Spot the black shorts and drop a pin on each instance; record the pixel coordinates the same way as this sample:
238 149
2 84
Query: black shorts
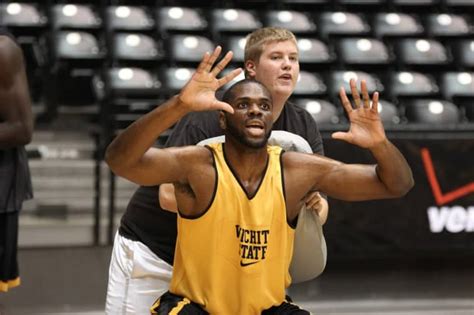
286 308
9 276
170 302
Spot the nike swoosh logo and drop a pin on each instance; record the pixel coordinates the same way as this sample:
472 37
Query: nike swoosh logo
242 264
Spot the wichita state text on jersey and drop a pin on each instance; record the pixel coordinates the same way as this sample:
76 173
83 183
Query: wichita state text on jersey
234 259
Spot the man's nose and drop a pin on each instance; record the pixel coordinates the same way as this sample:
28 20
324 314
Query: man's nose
286 63
254 109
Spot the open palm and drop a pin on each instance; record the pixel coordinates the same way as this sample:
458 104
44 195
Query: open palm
366 129
199 94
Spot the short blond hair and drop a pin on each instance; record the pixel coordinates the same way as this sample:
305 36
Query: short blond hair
257 40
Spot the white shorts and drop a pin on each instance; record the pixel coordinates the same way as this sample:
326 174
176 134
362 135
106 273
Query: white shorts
137 278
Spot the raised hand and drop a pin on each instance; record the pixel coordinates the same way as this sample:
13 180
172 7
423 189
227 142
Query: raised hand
366 129
199 93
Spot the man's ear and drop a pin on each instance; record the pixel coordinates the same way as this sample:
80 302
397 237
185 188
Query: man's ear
250 69
222 120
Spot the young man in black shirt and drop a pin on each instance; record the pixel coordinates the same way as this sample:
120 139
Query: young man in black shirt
244 185
142 258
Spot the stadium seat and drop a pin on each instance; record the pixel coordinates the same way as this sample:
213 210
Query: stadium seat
21 15
314 51
363 51
388 113
457 84
77 45
297 22
175 78
75 16
432 111
309 84
447 25
412 51
396 24
237 45
129 18
464 53
181 19
340 79
189 48
125 95
321 110
133 81
234 20
412 84
342 23
136 46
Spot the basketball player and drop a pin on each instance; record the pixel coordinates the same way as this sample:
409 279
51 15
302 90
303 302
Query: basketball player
238 201
143 252
16 128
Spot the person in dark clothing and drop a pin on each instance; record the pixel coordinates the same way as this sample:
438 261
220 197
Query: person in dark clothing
238 200
16 128
142 259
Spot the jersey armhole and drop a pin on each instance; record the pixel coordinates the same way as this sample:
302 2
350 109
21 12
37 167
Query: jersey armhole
211 201
291 224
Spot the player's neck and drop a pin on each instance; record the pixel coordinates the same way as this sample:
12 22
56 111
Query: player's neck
248 163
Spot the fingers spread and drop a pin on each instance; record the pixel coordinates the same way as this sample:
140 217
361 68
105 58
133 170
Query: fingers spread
229 77
355 93
203 64
365 93
213 58
344 100
375 102
222 64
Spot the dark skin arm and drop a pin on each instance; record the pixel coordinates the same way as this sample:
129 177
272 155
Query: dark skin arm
391 177
190 169
313 200
16 118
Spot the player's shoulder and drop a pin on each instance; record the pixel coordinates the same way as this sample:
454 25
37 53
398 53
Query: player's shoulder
193 154
10 57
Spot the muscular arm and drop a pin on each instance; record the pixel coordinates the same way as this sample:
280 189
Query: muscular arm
16 118
287 141
188 131
391 177
131 155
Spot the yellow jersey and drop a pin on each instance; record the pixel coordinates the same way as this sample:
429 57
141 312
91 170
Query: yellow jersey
234 258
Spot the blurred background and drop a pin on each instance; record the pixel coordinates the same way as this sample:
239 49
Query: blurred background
96 66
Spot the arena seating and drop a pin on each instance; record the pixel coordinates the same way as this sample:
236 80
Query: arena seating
384 38
105 63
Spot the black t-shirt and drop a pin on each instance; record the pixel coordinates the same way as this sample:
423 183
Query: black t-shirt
146 222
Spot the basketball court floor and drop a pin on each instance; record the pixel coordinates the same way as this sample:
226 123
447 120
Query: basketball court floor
66 281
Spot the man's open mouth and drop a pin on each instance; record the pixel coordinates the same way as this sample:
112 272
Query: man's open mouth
285 76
